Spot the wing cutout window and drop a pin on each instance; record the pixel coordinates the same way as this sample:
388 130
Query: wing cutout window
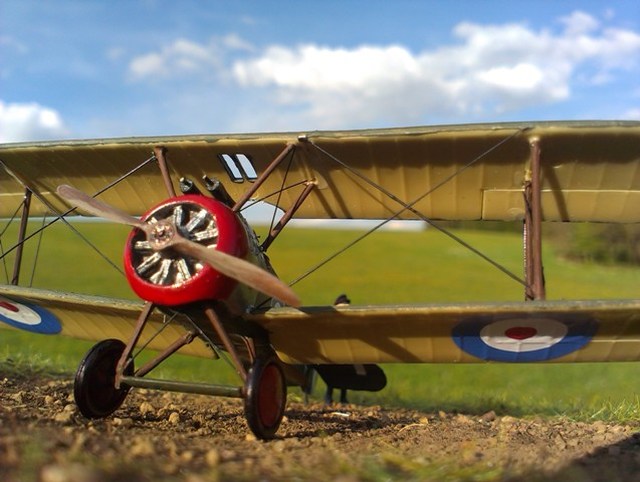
239 167
247 167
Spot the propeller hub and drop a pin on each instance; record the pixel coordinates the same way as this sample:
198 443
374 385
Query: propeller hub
161 235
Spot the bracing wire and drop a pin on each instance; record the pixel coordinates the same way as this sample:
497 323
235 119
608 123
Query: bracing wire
410 207
62 217
35 259
4 230
280 191
267 196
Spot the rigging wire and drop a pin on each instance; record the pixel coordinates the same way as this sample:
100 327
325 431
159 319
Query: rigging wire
4 230
61 216
165 323
4 263
35 260
267 196
410 207
284 179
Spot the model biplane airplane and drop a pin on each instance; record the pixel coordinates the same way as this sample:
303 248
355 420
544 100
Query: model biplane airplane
208 286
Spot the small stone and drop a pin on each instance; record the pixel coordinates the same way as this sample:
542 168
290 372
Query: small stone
250 437
488 417
49 400
63 417
68 473
121 422
147 409
187 456
464 419
69 408
600 426
141 447
171 468
174 418
212 458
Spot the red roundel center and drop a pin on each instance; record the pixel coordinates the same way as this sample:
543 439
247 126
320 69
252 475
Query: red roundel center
521 332
8 306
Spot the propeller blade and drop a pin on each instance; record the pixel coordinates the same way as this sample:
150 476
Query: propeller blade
98 208
241 270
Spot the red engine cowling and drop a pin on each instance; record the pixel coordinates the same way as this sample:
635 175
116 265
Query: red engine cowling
169 278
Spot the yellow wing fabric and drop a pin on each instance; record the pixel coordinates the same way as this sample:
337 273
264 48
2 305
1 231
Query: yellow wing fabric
509 332
559 331
87 317
590 170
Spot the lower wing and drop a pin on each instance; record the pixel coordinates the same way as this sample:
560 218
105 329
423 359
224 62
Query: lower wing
88 318
561 331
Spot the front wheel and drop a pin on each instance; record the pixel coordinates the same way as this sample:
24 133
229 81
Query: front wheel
94 388
265 397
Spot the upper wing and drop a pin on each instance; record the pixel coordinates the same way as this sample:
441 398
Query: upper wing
87 318
589 170
511 332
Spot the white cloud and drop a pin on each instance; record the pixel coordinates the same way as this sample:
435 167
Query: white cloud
579 23
632 114
13 44
487 70
186 57
491 69
181 57
29 122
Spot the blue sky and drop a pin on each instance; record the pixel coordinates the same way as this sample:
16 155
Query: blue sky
78 69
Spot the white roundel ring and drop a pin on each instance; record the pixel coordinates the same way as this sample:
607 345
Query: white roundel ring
28 317
522 337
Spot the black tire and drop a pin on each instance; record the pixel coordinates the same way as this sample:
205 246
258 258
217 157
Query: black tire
94 388
265 397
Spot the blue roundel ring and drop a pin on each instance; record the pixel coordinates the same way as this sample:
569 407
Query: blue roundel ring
28 317
524 337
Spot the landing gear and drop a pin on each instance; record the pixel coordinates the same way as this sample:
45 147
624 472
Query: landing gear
94 388
265 397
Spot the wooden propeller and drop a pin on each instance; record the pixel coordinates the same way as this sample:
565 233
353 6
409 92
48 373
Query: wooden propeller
163 235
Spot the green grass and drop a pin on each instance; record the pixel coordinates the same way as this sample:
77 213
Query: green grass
389 267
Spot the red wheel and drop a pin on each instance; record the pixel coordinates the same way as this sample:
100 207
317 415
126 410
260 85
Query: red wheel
265 397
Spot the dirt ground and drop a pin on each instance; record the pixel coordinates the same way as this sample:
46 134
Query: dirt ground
161 436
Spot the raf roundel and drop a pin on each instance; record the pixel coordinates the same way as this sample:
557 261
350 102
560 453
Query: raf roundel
523 338
28 317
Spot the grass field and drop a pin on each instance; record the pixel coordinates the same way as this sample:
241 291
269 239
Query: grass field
389 267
